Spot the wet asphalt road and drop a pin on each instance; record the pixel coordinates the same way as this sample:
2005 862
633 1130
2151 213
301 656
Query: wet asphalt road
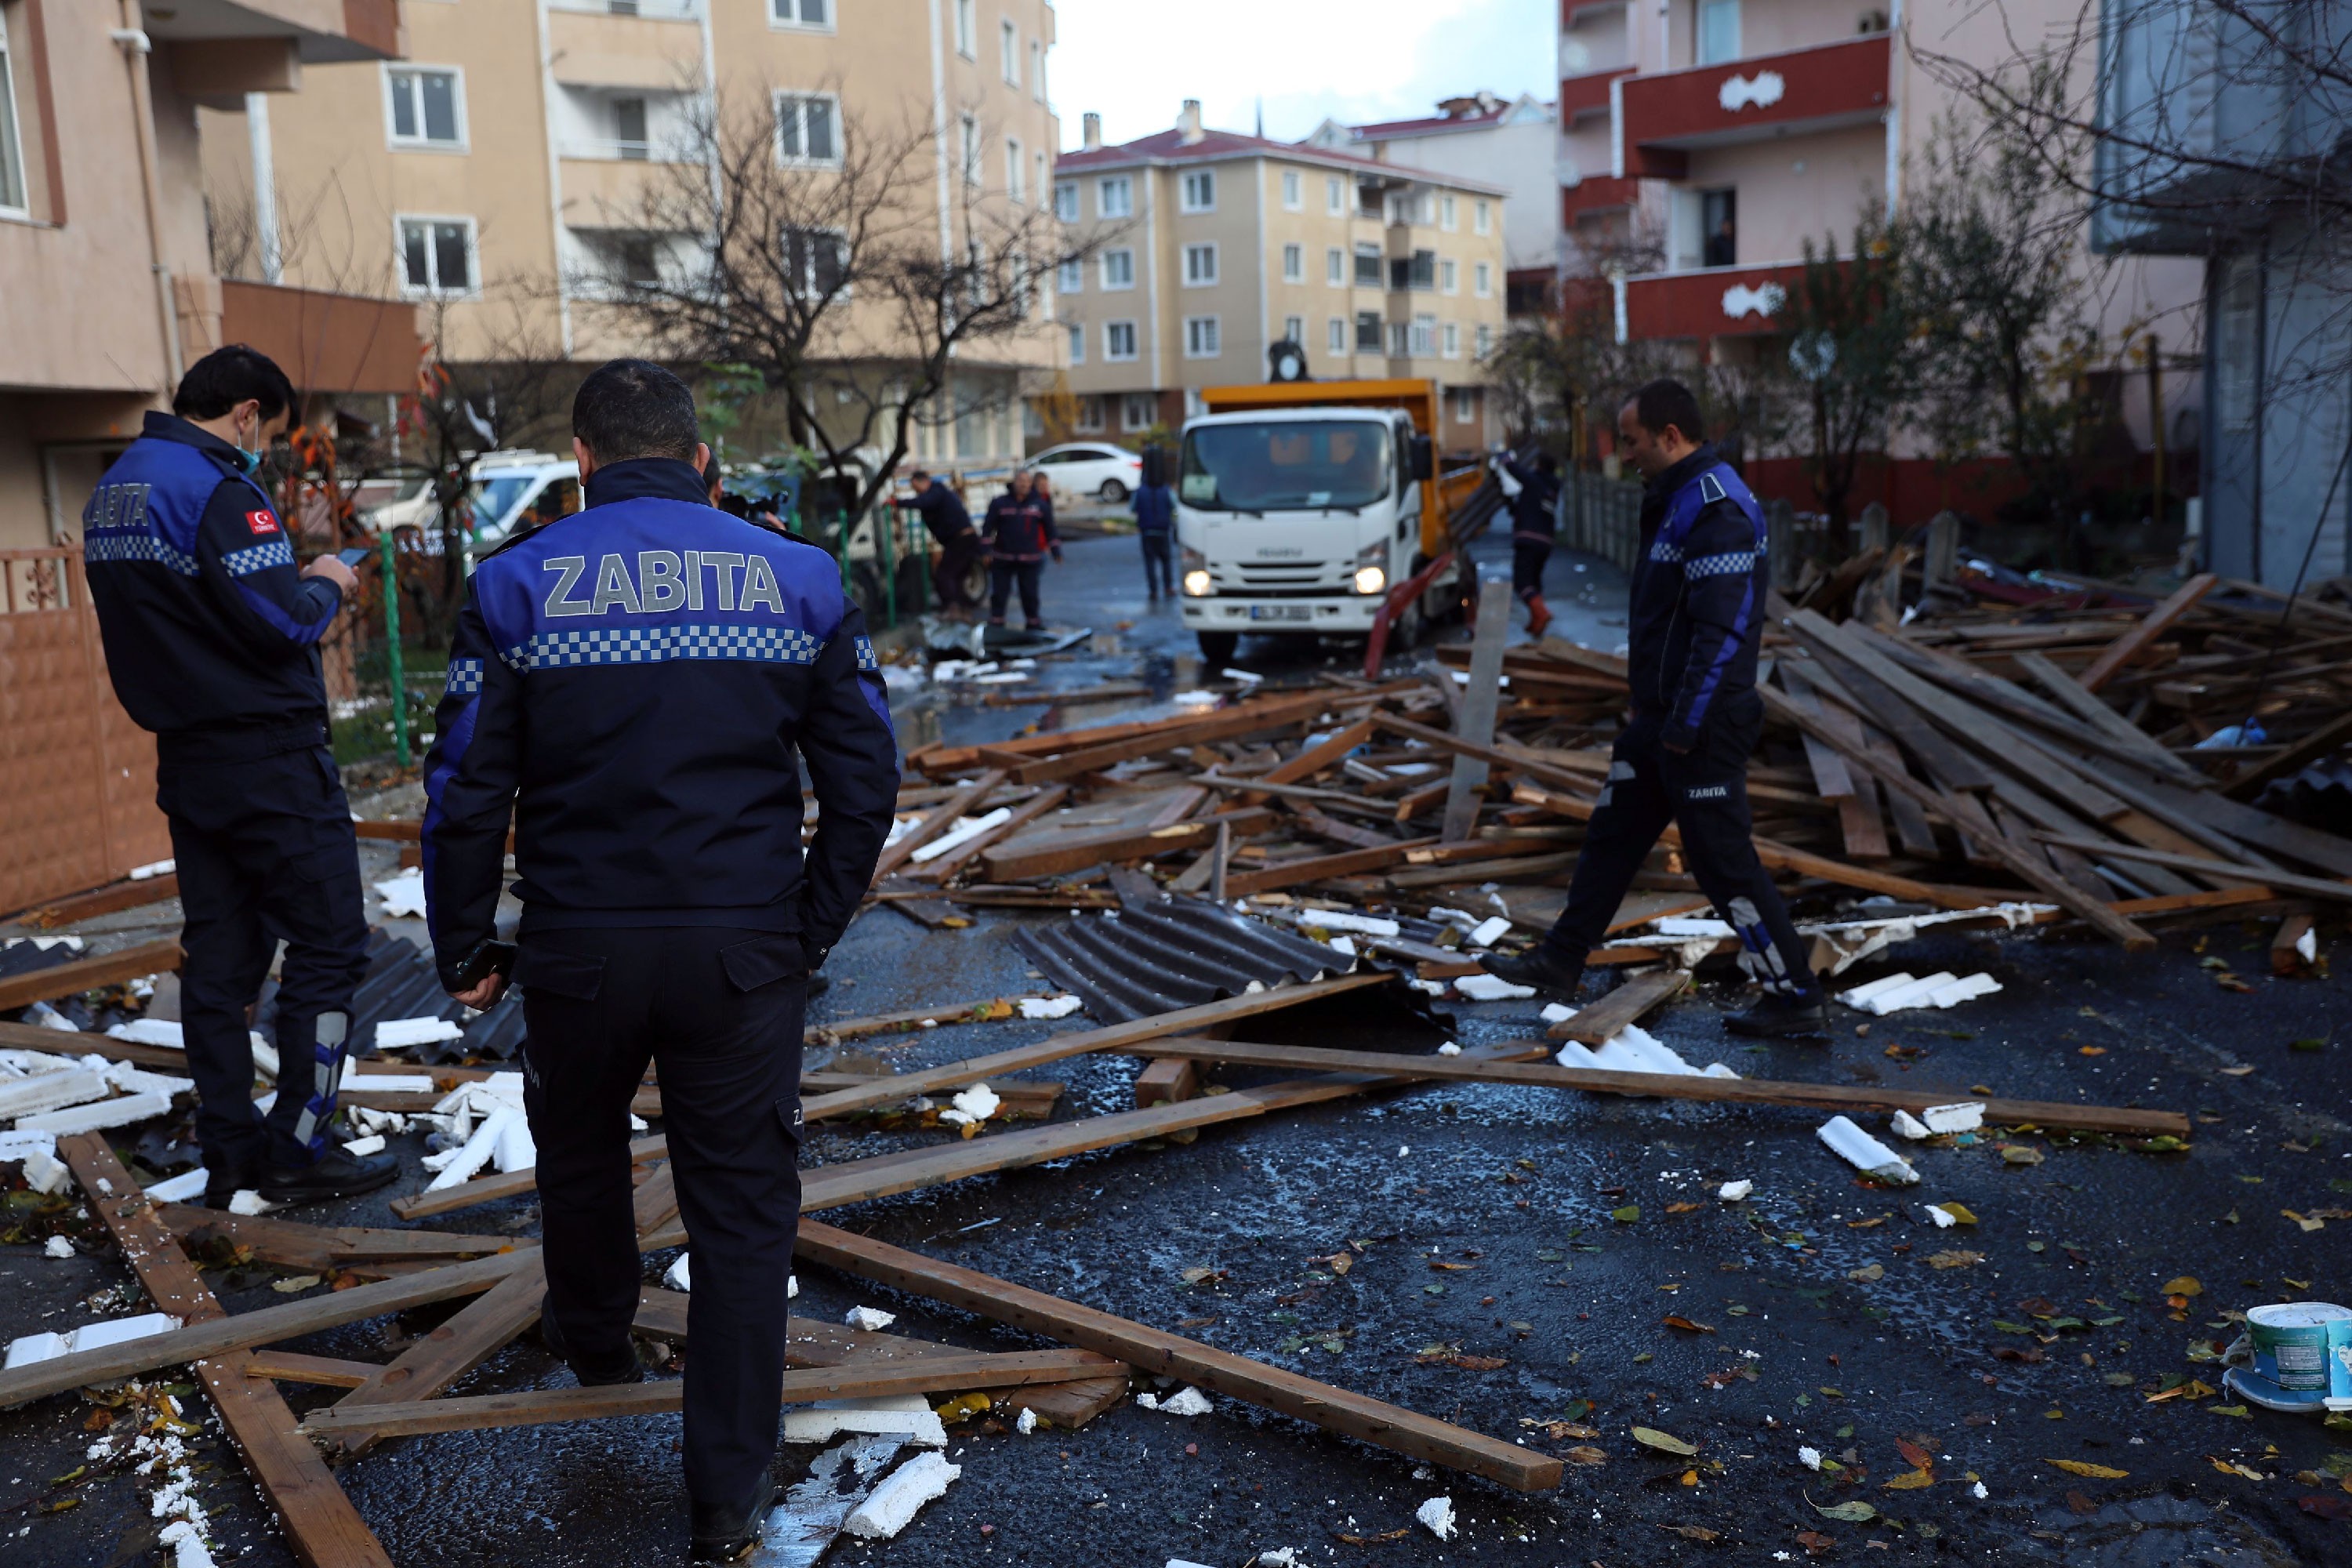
1515 1190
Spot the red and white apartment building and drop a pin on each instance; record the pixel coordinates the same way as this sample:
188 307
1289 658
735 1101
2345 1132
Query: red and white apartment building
1727 133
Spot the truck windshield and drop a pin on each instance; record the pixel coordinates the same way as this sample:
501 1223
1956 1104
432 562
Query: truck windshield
1284 465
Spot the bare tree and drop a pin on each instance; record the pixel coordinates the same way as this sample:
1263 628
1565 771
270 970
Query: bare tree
1855 350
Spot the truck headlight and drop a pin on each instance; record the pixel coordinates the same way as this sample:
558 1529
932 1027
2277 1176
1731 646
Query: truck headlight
1372 568
1197 584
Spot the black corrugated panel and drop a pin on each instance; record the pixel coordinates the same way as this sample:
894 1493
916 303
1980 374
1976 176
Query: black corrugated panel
401 982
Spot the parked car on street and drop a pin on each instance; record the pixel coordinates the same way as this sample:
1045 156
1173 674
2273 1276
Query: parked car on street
1105 472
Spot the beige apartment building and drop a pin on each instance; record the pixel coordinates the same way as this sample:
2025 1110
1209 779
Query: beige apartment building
499 174
1205 248
107 286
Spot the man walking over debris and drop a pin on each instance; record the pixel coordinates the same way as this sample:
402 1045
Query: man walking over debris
211 639
1019 531
944 514
1534 518
1695 622
633 684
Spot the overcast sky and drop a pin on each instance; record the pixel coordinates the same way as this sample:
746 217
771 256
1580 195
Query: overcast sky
1135 63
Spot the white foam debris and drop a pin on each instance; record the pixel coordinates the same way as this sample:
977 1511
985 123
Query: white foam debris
188 1549
57 1247
679 1275
187 1185
898 1498
1337 919
975 1104
1965 1117
1900 990
154 868
1049 1006
386 1082
247 1201
1187 1402
966 828
1343 945
1689 927
1026 1422
515 1149
1735 1192
2306 946
870 1320
40 1347
164 1032
1487 988
1635 1049
1810 1457
52 1090
1940 1217
1488 931
132 1079
459 1164
1437 1513
399 1034
1558 1012
99 1115
1449 1049
904 1415
404 895
1865 1153
1282 1557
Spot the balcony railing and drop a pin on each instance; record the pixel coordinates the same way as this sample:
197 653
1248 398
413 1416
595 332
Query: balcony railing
1587 95
658 10
1712 302
1660 117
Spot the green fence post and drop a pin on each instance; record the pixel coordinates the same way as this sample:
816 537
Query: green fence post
391 646
884 542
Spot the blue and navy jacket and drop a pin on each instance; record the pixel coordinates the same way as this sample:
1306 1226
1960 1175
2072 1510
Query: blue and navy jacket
211 634
1697 613
1021 530
1535 510
1155 509
632 684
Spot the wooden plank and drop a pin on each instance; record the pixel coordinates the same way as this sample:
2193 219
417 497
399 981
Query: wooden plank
505 1184
1152 1351
1679 1085
2212 816
1241 721
1165 1080
941 817
321 1247
110 899
1476 722
2134 643
2278 881
1315 869
88 974
1511 868
1027 811
57 1042
860 1380
1597 1022
938 759
1494 756
1313 760
1886 708
1011 862
320 1522
292 1367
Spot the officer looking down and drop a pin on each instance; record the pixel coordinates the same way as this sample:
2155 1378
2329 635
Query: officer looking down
211 639
638 685
1692 631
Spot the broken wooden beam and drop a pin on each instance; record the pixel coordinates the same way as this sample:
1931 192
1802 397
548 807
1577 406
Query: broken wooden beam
1319 868
2278 881
87 973
1611 1014
106 900
940 818
2152 625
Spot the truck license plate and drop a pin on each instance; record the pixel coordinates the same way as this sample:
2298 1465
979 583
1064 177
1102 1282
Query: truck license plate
1281 612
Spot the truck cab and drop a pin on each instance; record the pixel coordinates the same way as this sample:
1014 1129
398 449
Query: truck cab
1302 505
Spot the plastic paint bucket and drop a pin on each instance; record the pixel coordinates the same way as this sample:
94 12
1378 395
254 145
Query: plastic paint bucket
2286 1346
2339 1364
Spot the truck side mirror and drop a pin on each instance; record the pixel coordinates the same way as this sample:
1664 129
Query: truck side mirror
1422 453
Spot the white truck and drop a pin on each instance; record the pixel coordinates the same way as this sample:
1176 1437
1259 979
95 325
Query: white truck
1315 508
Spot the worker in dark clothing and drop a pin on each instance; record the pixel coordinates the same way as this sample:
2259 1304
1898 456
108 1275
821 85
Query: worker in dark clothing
1155 524
211 639
944 514
1695 622
1535 514
640 685
1019 531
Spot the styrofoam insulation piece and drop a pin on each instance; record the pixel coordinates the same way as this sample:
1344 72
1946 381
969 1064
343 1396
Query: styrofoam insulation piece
1968 988
1336 920
42 944
1940 1217
45 1172
99 1115
900 1497
1487 988
1907 1125
133 1080
1488 931
265 1059
1856 996
399 1034
966 829
2306 946
1734 1192
29 1349
179 1189
1558 1012
1692 926
246 1201
461 1163
1635 1049
188 1549
1001 678
33 1348
1026 1422
1186 1402
164 1032
1914 995
515 1149
1865 1153
152 869
977 1103
404 895
798 1530
1437 1513
33 1064
1343 945
385 1082
898 1415
1049 1006
1854 940
1965 1117
52 1091
360 1148
57 1247
870 1319
17 1145
679 1275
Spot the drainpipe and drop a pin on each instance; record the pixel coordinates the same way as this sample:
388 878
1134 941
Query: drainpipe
135 47
265 187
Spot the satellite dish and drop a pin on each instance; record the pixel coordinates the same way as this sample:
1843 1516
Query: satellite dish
1812 354
1286 361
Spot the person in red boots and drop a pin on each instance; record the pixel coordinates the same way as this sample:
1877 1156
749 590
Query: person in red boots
1535 514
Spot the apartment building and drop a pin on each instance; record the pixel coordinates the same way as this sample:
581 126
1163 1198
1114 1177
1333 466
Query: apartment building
498 175
107 286
1511 143
1207 248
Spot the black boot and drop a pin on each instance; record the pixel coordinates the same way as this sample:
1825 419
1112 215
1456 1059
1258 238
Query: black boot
728 1534
1540 967
590 1377
334 1174
224 1182
1777 1015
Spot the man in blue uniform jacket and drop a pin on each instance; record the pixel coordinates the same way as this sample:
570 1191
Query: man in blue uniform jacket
1695 625
639 684
211 639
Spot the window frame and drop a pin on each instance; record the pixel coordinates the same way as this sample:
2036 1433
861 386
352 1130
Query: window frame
973 151
795 24
841 239
1466 406
1016 177
1103 269
1008 52
1184 201
1214 323
1294 262
1089 419
393 140
1127 402
12 137
1125 185
1482 216
1335 196
1293 191
1483 339
1075 340
1294 329
1449 275
1036 70
433 290
1335 335
1213 250
1066 193
1134 343
967 28
1450 340
1366 251
1449 217
1335 267
1482 279
1372 320
1070 275
800 99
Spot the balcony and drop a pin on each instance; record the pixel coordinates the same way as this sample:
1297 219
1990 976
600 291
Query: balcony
1596 193
604 189
1712 302
327 343
657 47
1586 97
1661 118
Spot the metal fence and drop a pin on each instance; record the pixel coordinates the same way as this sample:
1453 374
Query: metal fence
1602 516
78 775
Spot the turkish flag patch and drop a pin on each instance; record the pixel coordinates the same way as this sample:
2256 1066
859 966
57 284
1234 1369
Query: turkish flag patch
261 522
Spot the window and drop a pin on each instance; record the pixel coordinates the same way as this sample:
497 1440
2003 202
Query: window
1139 410
427 106
1200 337
1483 279
1367 331
1118 340
1718 32
1482 217
1294 264
1200 266
1335 195
1335 335
629 130
1077 344
1037 70
1452 340
1090 413
1420 272
1449 278
1200 194
1008 53
1016 188
805 123
971 151
1445 218
1368 265
12 150
437 256
801 13
1466 406
629 258
1115 198
1400 339
817 260
1071 277
1335 267
967 30
1294 329
1423 340
1485 338
1066 201
2237 341
1118 268
1293 190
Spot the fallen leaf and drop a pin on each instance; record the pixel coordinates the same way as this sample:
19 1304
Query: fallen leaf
1681 1322
2334 1507
1911 1481
2185 1286
1918 1457
1869 1274
1650 1437
2021 1155
2231 1467
1627 1215
1814 1542
1586 1454
1685 1208
1853 1512
2094 1472
1380 1540
1201 1274
1957 1259
2090 1050
1698 1531
1450 1268
297 1282
1959 1213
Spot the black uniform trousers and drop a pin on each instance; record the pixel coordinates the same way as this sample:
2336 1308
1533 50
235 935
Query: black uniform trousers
1159 560
1529 554
1703 793
719 1011
1001 577
956 556
265 852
